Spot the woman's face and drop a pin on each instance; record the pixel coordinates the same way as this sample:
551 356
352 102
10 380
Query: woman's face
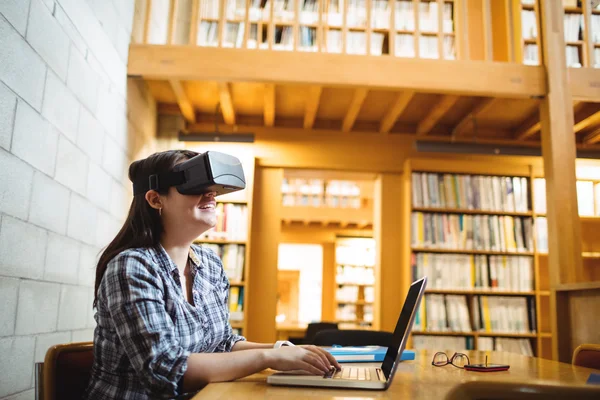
193 214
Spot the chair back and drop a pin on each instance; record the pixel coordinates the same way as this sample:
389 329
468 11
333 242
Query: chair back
351 337
502 390
66 370
587 355
314 327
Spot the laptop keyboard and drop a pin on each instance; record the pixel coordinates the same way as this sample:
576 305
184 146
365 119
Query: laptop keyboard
361 374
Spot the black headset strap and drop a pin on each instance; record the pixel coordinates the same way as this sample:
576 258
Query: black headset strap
158 182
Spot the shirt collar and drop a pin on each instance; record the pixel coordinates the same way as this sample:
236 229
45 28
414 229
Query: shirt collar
161 257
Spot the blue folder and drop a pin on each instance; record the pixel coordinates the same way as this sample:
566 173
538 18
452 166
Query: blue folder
364 354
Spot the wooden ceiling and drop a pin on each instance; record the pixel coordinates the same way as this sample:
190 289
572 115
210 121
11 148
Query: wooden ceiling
348 109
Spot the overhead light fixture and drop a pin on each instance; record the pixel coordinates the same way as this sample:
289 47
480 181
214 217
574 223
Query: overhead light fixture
490 149
216 135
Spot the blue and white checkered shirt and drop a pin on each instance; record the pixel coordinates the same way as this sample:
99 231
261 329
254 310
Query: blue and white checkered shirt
146 329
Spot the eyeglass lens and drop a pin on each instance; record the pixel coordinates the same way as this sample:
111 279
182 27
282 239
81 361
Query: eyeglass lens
440 359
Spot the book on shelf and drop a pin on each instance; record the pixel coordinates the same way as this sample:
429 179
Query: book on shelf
356 13
511 345
236 303
455 343
235 9
404 16
531 54
471 232
334 41
404 45
503 314
474 272
428 46
356 42
472 192
209 9
348 274
595 29
208 34
380 14
233 257
232 223
572 56
309 12
443 313
308 39
528 25
335 12
233 36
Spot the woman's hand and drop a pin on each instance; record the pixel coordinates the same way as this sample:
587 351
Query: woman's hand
307 358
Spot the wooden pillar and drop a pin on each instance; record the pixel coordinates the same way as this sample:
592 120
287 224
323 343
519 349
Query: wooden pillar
392 278
264 236
329 287
558 150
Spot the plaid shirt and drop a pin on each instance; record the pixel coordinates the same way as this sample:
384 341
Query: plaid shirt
146 329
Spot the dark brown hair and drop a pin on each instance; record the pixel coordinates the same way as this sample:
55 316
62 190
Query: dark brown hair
143 225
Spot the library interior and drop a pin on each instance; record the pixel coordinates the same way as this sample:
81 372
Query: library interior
381 140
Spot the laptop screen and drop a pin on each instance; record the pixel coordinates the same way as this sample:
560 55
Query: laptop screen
403 327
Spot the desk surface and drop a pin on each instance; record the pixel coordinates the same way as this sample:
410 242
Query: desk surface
414 379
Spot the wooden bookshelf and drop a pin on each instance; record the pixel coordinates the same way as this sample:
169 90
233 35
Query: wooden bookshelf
539 293
578 33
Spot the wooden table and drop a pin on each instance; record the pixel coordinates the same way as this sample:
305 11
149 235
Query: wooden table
287 330
416 379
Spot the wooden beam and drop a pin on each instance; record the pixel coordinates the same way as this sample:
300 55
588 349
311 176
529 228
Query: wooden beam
462 127
312 105
529 127
182 100
436 113
585 123
390 117
593 137
565 264
269 104
234 65
359 97
226 103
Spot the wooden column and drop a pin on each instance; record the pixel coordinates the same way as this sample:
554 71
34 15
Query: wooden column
558 149
264 236
329 287
391 281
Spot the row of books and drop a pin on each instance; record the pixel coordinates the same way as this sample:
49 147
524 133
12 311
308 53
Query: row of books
472 192
347 274
233 36
209 9
588 197
308 39
236 303
355 251
347 312
284 38
573 25
528 25
318 193
595 28
504 314
572 55
232 223
350 294
232 256
457 343
531 55
509 345
490 314
471 232
234 9
429 21
443 313
469 272
208 34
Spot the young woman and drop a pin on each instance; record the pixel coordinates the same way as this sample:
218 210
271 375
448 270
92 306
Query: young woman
161 303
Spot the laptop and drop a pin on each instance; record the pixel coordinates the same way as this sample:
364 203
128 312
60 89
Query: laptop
365 377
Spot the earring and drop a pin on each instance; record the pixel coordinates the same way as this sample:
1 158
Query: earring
160 212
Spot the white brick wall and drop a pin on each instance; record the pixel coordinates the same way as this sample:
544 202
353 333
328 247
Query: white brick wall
73 309
16 369
9 289
70 125
17 240
21 68
8 104
37 309
34 139
71 166
15 11
62 259
60 106
47 38
15 185
49 204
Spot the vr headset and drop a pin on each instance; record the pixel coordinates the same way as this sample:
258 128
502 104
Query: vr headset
207 172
